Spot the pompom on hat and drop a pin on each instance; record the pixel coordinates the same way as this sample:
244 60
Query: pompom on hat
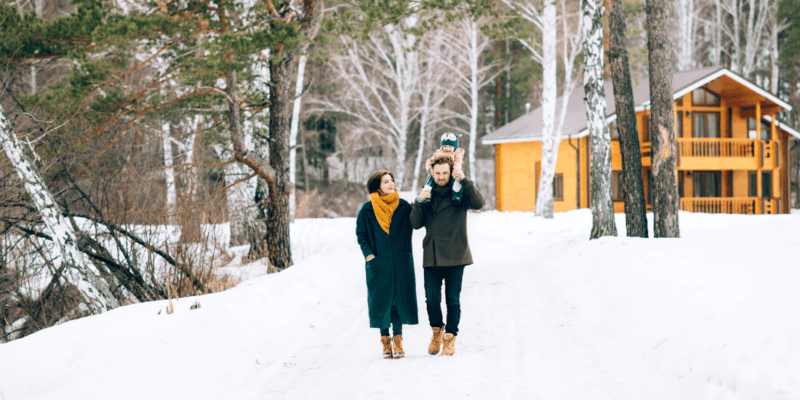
449 139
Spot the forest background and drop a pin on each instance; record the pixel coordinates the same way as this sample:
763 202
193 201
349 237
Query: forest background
163 133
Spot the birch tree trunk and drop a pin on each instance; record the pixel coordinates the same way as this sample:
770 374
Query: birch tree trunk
406 79
665 188
633 185
474 86
78 270
595 98
715 55
298 90
757 18
685 12
169 172
544 200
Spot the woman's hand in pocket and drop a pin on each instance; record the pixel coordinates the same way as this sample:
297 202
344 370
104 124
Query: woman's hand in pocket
370 257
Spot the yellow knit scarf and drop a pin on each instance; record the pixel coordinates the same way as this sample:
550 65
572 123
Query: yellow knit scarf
384 207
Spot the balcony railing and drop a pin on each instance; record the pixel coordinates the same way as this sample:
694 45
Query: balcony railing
725 153
717 147
729 205
721 205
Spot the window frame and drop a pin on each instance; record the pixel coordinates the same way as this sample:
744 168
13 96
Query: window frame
695 114
706 92
617 185
558 183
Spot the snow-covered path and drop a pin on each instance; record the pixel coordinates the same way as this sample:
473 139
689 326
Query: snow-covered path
546 314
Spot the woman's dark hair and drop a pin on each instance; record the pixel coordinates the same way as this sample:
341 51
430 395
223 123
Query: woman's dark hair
374 181
443 160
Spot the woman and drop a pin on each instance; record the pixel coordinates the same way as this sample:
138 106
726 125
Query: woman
384 232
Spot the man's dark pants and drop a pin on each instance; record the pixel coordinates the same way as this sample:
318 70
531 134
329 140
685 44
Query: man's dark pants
452 277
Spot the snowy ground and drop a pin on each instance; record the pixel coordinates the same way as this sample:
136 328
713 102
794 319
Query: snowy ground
546 314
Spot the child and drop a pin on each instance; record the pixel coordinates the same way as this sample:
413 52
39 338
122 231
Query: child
448 148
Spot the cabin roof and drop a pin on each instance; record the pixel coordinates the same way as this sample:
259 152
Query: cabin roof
721 80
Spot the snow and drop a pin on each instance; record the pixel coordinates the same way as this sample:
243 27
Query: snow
546 314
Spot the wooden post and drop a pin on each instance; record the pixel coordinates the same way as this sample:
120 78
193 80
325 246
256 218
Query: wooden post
758 120
760 146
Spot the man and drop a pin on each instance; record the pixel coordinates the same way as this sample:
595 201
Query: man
445 250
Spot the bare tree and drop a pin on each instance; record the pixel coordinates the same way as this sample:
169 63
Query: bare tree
687 15
469 44
743 24
76 268
546 54
435 87
379 82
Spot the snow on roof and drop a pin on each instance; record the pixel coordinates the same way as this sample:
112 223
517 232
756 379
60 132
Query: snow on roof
528 127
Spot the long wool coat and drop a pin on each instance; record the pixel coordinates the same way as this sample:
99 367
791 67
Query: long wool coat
390 275
446 243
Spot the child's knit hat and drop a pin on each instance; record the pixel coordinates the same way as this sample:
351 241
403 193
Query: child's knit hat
449 139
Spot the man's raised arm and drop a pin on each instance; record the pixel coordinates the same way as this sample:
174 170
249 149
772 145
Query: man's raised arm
473 199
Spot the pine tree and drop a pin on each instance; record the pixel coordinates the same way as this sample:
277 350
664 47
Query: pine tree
665 187
633 185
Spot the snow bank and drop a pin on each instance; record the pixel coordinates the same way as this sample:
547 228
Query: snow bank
546 314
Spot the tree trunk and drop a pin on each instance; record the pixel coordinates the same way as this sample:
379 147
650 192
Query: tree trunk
544 200
278 242
665 188
685 11
474 86
79 271
595 98
423 132
633 186
169 172
298 90
716 39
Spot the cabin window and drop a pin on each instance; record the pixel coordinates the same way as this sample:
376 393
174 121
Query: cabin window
707 184
649 198
679 102
679 125
680 183
705 124
646 128
702 97
752 182
612 127
558 187
617 194
766 184
766 129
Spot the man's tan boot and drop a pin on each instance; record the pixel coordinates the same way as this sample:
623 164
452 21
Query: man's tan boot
449 345
436 341
397 342
387 347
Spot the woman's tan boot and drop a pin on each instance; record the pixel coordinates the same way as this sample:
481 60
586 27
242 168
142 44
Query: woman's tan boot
397 342
449 345
436 341
387 347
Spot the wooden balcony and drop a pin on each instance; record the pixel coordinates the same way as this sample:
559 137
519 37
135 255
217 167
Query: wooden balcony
725 154
729 205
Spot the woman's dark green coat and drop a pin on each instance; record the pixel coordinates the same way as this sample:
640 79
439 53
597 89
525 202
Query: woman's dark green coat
390 275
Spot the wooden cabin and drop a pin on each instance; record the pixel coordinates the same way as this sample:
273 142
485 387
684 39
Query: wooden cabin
732 153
